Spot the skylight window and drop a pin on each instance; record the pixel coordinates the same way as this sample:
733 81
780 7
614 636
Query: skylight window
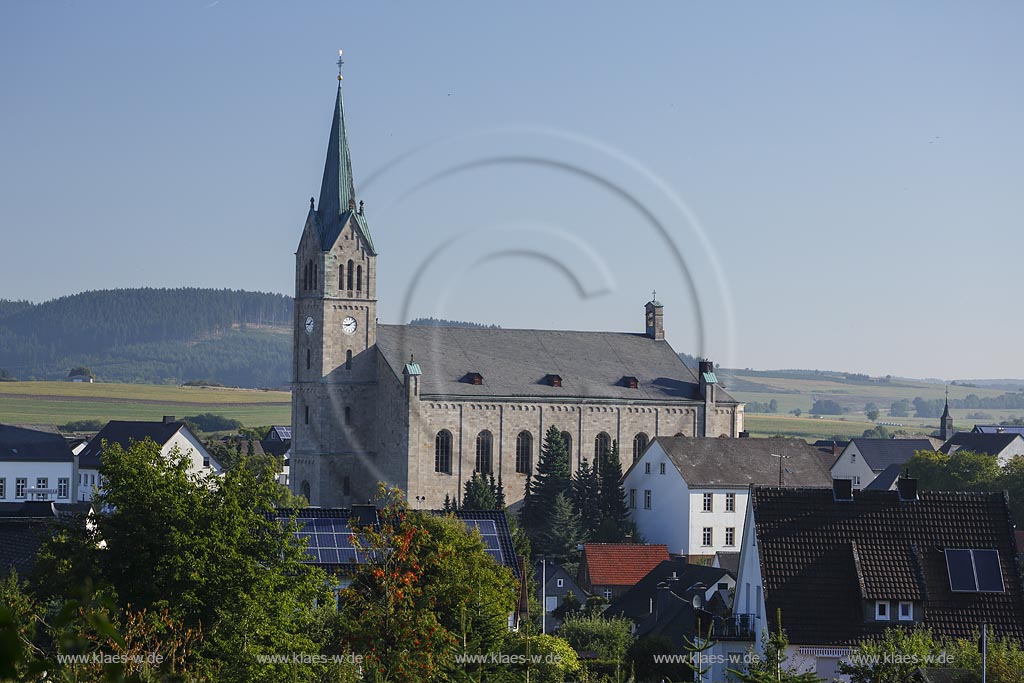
974 571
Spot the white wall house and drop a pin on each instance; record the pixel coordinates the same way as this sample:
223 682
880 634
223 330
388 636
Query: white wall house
1004 446
35 465
691 494
864 459
172 436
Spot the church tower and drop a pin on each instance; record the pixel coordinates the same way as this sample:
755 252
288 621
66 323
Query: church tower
946 422
335 330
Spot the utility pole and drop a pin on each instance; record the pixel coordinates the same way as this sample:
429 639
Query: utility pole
543 595
780 457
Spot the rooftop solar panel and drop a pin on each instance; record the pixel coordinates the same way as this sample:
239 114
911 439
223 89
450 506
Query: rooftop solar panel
988 571
961 570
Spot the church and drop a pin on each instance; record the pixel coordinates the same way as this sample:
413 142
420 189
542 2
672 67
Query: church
423 408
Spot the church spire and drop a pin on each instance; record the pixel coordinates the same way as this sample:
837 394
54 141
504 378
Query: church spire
337 191
946 421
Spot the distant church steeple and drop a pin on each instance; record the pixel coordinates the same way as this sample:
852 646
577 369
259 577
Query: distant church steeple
946 422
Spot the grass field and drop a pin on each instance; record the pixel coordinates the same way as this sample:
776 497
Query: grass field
60 402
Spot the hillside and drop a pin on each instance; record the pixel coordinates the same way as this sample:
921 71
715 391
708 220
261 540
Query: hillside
159 336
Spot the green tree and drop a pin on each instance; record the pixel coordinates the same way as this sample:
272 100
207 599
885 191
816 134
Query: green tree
892 657
586 491
900 408
826 406
553 477
562 534
478 494
771 668
609 638
615 523
1004 660
871 411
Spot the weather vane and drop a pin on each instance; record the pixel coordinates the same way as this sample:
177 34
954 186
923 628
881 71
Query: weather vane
341 62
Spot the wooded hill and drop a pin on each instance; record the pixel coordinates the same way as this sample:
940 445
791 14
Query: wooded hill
235 338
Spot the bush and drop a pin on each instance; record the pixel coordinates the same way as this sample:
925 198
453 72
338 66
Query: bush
609 638
81 426
826 406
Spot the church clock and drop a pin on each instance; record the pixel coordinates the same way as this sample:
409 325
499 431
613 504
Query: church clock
349 325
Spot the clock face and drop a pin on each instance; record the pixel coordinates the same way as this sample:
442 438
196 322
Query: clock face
310 325
349 325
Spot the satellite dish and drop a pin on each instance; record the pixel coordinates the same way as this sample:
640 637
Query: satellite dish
698 601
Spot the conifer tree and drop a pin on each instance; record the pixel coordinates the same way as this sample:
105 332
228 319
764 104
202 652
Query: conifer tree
499 494
553 477
448 507
586 488
562 534
478 494
615 523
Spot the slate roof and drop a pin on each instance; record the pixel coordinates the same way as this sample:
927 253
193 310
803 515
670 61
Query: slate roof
993 444
998 429
18 444
125 432
730 561
620 564
880 453
738 463
514 363
885 480
817 551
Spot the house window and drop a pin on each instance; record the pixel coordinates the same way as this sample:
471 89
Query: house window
661 468
206 461
709 502
723 586
560 583
341 277
730 535
881 610
607 594
632 499
640 442
62 487
348 359
443 452
856 480
524 452
906 612
3 488
567 440
602 444
484 444
707 536
730 502
647 468
42 483
307 414
647 499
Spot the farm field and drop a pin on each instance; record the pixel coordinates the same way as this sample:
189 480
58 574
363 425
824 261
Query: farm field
60 402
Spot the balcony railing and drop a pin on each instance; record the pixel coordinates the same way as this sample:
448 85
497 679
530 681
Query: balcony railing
735 627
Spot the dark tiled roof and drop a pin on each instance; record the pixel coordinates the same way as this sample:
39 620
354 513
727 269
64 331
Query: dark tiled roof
817 551
124 433
885 480
993 444
739 463
880 453
516 362
18 444
635 602
620 564
730 561
998 429
20 539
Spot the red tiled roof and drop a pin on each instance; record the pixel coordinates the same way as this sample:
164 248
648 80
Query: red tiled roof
620 564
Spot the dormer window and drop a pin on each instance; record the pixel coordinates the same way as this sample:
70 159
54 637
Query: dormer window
881 610
630 381
474 378
553 380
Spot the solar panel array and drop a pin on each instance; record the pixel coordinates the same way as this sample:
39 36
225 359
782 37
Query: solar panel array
974 571
284 432
329 540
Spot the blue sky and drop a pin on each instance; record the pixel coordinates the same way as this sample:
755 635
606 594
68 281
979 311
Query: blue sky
842 182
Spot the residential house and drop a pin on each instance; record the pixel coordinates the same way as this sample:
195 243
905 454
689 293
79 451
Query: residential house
877 560
278 440
676 600
553 585
610 569
171 435
864 459
691 494
998 429
1002 445
35 465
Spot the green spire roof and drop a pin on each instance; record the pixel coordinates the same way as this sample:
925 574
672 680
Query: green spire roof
337 189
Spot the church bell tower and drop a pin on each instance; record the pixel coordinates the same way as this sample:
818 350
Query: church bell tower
335 332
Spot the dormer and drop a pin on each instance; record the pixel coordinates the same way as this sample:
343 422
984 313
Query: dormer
473 378
630 382
553 380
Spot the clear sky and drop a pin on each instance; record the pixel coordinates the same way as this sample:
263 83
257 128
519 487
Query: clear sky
844 183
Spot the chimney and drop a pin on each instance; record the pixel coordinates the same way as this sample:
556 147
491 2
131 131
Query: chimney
168 419
835 450
907 487
842 489
744 434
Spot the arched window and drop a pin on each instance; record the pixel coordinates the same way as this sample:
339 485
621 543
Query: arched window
567 439
524 452
316 276
309 359
348 415
443 452
350 273
640 442
602 444
305 277
305 489
484 448
341 277
359 278
348 359
346 486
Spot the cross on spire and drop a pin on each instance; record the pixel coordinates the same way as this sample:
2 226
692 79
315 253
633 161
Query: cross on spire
341 63
654 295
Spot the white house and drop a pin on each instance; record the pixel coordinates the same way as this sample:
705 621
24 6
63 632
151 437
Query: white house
864 459
1004 446
840 566
35 465
690 493
169 434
